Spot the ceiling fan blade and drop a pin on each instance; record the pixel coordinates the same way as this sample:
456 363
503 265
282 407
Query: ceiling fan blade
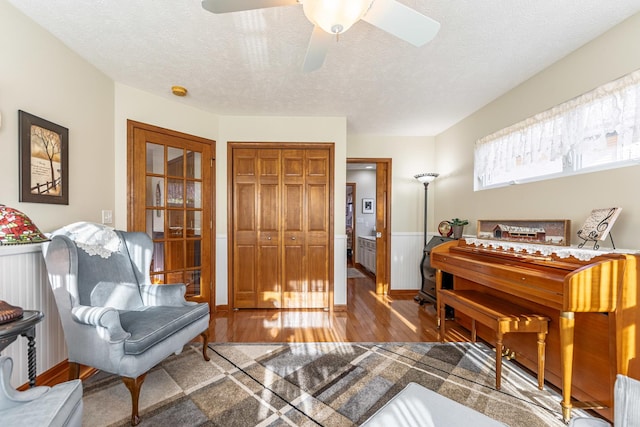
226 6
402 21
317 50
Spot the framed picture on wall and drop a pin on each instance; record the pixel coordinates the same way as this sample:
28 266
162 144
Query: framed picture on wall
44 160
367 206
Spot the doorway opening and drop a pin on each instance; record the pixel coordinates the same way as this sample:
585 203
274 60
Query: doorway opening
371 218
350 219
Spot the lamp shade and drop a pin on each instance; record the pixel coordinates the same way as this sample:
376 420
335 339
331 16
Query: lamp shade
17 228
426 178
335 16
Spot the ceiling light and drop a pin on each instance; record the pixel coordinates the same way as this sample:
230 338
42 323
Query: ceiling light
335 16
179 90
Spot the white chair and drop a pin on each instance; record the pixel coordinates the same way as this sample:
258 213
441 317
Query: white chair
114 319
57 406
417 406
626 406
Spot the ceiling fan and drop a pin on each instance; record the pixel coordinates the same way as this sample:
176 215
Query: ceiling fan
333 17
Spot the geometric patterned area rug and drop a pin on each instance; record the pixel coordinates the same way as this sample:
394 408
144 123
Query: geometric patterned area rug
317 384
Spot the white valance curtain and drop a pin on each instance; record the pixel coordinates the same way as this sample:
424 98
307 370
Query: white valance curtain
597 130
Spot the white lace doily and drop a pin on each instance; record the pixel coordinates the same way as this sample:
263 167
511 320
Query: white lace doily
94 239
531 248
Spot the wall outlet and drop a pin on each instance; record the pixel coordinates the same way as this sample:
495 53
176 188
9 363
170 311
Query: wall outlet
107 217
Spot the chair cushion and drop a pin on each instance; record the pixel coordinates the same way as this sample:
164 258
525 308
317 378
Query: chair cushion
108 282
153 324
59 406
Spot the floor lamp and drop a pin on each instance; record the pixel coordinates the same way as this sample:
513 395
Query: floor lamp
425 179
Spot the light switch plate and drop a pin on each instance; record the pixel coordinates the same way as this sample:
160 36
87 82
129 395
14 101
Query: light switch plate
107 217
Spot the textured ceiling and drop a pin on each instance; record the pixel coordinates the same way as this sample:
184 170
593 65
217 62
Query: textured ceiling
250 63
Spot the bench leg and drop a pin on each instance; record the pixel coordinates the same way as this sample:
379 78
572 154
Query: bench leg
441 320
541 345
473 330
498 360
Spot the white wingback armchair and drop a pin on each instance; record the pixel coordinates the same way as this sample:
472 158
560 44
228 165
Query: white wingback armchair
113 318
626 406
57 406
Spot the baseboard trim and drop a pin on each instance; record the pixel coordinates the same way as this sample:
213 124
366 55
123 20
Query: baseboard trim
401 293
59 374
340 307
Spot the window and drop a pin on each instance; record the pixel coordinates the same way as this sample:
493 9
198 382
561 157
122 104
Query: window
595 131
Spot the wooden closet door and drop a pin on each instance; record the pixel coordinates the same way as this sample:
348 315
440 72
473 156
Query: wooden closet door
256 256
268 282
305 178
281 206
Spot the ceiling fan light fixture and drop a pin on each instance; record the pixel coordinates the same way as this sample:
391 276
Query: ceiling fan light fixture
335 16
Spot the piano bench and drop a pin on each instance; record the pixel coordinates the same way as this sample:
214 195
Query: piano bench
501 316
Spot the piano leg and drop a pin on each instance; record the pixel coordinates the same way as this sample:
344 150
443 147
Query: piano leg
541 345
498 360
567 325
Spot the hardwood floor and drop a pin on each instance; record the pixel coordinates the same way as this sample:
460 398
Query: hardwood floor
368 318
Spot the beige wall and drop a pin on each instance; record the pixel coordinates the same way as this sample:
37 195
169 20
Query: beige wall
134 104
409 156
41 76
608 57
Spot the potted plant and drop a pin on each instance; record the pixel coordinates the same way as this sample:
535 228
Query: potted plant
457 225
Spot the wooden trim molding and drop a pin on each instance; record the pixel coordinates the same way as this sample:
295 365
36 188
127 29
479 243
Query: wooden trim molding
59 374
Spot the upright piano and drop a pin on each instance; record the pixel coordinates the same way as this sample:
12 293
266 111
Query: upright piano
590 296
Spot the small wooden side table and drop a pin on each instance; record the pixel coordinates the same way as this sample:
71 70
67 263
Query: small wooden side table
25 326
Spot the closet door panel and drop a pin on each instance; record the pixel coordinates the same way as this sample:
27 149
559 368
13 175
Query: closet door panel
245 215
269 293
317 228
294 277
245 276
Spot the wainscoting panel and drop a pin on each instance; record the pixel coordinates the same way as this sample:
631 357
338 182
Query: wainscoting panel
340 270
406 254
24 283
222 275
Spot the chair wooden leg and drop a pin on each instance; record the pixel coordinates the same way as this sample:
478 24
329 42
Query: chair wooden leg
205 343
134 385
74 371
